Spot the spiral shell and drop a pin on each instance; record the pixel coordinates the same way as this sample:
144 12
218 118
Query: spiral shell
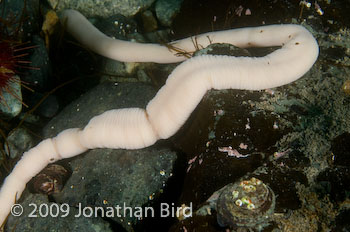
50 180
247 203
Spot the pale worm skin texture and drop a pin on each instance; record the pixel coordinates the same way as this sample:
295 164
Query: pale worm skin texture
135 128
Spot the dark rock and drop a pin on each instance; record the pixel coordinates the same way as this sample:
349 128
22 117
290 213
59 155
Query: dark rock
342 221
335 182
341 150
159 36
149 22
19 140
48 108
118 178
103 97
222 49
116 26
39 77
283 182
111 178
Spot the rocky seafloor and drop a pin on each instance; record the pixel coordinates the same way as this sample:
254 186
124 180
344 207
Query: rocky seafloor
294 138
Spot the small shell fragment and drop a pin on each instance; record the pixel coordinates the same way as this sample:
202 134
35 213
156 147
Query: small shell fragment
239 202
251 206
235 194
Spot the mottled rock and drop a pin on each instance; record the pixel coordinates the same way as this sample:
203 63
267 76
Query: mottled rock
166 10
11 98
19 141
103 8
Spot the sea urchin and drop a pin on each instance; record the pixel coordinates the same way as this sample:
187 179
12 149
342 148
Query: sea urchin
11 54
8 62
7 65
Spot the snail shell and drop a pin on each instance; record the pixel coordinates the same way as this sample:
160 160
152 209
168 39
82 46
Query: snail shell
50 180
247 203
